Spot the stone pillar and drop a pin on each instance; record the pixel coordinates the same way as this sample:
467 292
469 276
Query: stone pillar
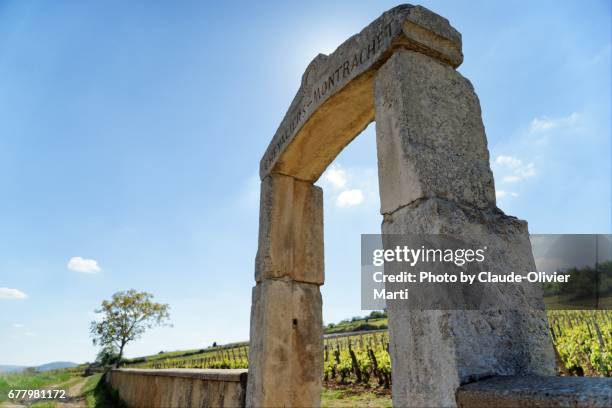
435 178
286 340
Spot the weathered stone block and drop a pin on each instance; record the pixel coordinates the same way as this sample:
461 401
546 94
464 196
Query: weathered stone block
430 137
427 32
435 351
534 391
290 230
285 354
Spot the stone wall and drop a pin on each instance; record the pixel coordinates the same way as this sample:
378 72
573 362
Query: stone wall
182 388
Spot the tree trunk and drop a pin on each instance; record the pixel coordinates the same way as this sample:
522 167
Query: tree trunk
120 354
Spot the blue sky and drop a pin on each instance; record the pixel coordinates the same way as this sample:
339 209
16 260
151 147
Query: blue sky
131 134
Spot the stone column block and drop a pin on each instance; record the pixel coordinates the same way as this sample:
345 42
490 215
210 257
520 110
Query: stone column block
286 346
430 137
435 351
435 178
290 230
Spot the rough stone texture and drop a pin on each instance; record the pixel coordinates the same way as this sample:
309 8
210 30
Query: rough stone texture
505 238
285 354
435 178
290 230
533 391
435 351
180 388
430 137
334 102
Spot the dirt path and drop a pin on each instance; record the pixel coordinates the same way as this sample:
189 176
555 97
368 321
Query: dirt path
75 399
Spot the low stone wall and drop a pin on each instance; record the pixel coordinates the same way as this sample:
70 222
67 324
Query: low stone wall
182 388
536 391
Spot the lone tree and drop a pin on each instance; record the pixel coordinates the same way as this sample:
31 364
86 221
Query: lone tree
125 318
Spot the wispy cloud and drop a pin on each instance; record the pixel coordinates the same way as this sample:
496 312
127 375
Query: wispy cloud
544 124
9 293
514 168
508 161
503 194
17 325
83 265
349 198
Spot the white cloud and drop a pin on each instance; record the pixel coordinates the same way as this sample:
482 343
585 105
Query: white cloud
517 169
544 124
335 176
29 334
526 171
349 198
508 161
350 186
79 264
17 325
8 293
511 179
503 194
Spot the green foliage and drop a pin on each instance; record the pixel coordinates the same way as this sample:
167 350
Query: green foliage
361 358
586 285
583 340
99 395
126 317
231 356
361 324
108 355
375 314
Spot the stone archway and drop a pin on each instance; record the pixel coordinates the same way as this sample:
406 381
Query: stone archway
434 176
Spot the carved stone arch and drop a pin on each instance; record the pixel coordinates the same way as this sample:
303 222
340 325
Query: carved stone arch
434 176
335 101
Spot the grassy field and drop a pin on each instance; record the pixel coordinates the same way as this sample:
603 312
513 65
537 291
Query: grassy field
334 397
30 381
90 392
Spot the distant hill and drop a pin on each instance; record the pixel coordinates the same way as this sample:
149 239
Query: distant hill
11 368
44 367
55 365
